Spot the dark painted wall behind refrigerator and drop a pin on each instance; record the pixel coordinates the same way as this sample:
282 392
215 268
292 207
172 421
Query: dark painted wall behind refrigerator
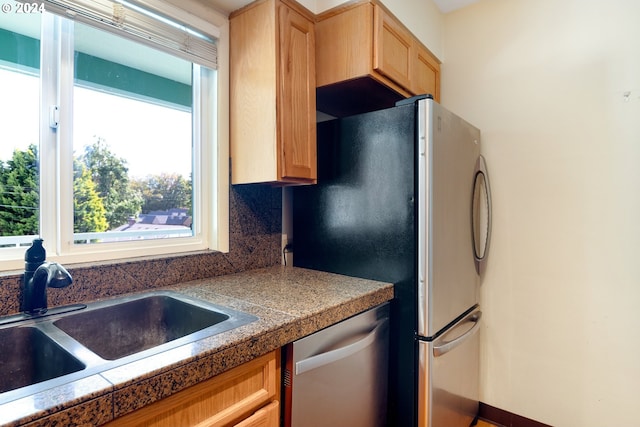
360 220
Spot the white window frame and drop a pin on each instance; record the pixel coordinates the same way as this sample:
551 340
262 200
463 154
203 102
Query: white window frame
210 174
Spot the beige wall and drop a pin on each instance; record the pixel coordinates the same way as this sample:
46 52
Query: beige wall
545 81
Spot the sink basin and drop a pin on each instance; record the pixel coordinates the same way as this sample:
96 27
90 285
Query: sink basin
126 326
28 356
45 351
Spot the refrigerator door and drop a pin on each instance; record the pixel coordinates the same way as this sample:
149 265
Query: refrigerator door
449 375
448 280
339 374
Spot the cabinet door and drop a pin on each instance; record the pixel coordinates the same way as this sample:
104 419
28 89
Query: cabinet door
393 48
297 96
269 416
425 76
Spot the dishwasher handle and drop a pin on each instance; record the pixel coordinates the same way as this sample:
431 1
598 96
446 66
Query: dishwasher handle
332 356
445 348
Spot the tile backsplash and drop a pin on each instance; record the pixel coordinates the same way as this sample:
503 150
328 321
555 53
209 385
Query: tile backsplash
255 213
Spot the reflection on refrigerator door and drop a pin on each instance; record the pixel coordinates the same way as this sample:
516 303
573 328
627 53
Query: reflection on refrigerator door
339 374
449 365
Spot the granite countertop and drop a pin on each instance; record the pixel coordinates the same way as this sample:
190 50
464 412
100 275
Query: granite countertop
289 302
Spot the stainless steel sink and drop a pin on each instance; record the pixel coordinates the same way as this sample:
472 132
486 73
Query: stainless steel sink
28 356
41 352
124 327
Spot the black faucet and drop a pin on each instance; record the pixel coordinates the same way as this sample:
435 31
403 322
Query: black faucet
38 275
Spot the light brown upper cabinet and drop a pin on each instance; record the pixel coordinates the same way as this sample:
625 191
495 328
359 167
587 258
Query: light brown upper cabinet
272 94
392 48
425 72
367 59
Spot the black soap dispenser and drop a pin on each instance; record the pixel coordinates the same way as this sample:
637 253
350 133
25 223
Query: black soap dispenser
34 257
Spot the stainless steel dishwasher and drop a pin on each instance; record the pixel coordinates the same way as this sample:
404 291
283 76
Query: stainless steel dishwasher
338 376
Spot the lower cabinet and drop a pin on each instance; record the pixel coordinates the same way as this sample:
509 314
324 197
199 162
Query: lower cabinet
269 416
245 396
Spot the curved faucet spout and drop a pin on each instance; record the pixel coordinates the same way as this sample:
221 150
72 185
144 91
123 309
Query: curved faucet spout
57 275
49 274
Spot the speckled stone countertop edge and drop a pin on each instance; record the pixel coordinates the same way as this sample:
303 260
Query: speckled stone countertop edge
290 303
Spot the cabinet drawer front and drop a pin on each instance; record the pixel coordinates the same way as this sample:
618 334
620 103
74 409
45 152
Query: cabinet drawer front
217 402
269 416
393 51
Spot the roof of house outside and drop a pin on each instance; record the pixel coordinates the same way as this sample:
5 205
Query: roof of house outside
158 220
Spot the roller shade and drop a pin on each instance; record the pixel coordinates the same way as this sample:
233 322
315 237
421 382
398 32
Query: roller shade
146 23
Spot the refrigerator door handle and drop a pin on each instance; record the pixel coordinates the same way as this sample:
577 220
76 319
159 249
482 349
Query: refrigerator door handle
481 215
440 350
332 356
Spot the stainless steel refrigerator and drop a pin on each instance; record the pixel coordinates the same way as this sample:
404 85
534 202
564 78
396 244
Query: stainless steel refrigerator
403 197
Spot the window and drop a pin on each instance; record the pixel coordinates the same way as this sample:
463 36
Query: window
112 146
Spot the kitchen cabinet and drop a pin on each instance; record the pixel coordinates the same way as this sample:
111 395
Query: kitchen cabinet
367 59
425 72
245 396
272 93
393 47
269 416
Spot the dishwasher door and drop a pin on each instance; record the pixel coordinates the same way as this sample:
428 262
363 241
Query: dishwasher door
338 376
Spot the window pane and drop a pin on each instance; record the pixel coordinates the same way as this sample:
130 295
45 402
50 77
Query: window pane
133 149
19 133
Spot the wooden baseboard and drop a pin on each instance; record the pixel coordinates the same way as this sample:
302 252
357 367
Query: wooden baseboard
505 418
